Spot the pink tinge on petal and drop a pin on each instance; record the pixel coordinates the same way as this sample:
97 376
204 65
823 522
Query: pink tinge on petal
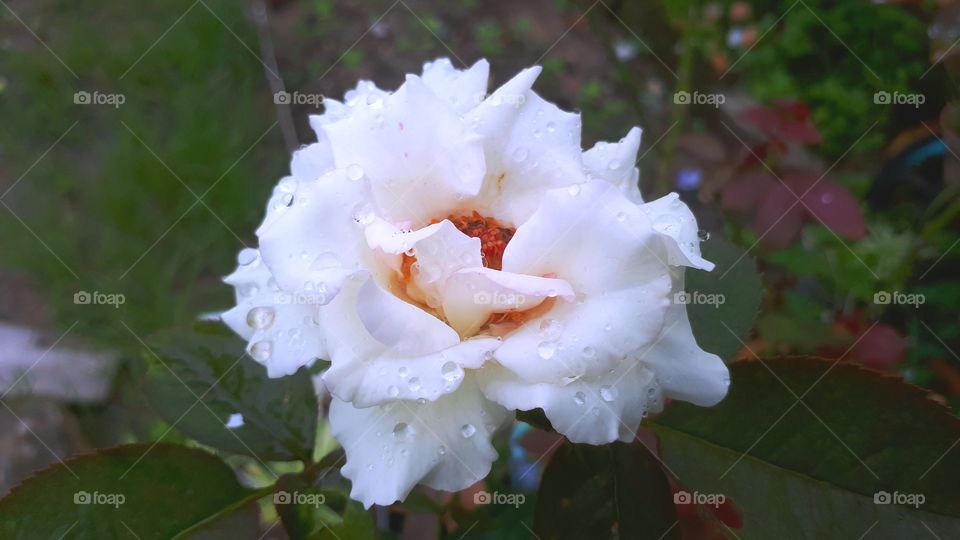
836 208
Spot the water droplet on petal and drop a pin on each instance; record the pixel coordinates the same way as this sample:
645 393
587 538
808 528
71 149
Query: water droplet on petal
520 154
621 216
550 328
546 350
414 384
262 350
403 431
393 391
451 371
589 352
573 190
354 172
246 256
579 398
467 430
260 318
608 393
363 214
287 199
551 127
403 371
614 164
703 235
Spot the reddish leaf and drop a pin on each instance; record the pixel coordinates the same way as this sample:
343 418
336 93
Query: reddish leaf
746 191
836 208
881 347
779 218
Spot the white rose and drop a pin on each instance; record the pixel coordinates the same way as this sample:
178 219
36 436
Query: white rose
457 258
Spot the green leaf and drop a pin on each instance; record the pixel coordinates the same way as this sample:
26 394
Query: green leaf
136 490
279 415
611 491
812 469
720 327
309 512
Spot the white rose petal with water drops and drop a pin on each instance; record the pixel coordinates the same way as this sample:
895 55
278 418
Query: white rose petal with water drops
457 255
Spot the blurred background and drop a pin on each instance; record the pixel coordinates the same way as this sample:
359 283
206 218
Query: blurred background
140 141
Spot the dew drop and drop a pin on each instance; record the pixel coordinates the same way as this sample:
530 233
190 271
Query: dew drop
403 431
589 352
520 154
246 256
579 398
621 216
546 350
393 391
703 235
260 318
614 164
573 190
403 371
442 450
551 127
262 350
608 393
451 371
354 172
363 214
287 199
467 430
550 328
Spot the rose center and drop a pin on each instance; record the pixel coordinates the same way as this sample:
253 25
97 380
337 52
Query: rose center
494 236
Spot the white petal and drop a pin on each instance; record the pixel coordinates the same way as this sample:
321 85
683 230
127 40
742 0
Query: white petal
419 156
312 161
594 410
311 240
588 338
471 295
281 333
684 370
404 328
462 89
676 224
530 144
389 377
441 249
592 237
616 163
444 444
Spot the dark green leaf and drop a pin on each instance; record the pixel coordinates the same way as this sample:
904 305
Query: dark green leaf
612 491
311 513
279 415
812 469
131 491
720 327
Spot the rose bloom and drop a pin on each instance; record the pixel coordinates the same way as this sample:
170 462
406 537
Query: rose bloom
457 256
